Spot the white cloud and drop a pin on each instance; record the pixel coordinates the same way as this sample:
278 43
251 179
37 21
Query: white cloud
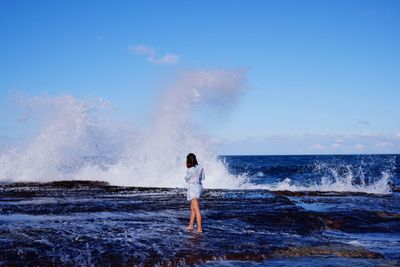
143 50
151 55
384 144
359 147
317 147
369 134
166 59
336 145
398 135
371 143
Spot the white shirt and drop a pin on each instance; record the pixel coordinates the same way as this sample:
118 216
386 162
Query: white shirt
195 175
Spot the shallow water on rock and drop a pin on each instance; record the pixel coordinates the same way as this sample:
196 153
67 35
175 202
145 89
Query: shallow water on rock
84 223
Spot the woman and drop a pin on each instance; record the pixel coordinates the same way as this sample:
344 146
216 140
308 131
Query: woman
194 177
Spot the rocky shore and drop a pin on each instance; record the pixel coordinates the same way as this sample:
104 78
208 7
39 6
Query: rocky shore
93 223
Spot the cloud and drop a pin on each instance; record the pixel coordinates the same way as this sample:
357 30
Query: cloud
143 50
317 147
371 143
384 144
369 135
166 59
359 147
336 145
151 55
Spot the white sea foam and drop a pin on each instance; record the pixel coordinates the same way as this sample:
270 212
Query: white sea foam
338 184
76 143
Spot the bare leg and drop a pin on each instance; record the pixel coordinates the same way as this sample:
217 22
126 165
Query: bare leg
192 216
196 206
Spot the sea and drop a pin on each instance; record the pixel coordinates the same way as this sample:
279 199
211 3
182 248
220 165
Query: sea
302 210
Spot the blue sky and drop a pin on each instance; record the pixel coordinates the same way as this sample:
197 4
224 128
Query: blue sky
323 76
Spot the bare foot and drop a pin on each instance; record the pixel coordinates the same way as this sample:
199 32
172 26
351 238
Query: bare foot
199 230
190 228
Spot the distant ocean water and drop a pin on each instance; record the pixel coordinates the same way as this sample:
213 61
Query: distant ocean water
286 211
352 173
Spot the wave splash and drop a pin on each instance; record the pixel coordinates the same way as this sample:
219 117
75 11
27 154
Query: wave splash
77 142
380 187
341 178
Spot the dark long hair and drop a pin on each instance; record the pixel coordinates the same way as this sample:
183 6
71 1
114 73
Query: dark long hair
191 160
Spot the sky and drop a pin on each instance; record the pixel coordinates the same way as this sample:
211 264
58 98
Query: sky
323 77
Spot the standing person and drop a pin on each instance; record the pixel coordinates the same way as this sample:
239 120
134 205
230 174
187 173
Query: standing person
194 177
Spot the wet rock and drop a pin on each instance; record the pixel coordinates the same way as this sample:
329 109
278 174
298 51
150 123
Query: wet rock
331 250
388 215
320 193
360 221
60 184
333 224
97 224
247 256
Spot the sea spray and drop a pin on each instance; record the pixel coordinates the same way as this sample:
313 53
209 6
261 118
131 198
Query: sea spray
368 174
76 143
71 135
